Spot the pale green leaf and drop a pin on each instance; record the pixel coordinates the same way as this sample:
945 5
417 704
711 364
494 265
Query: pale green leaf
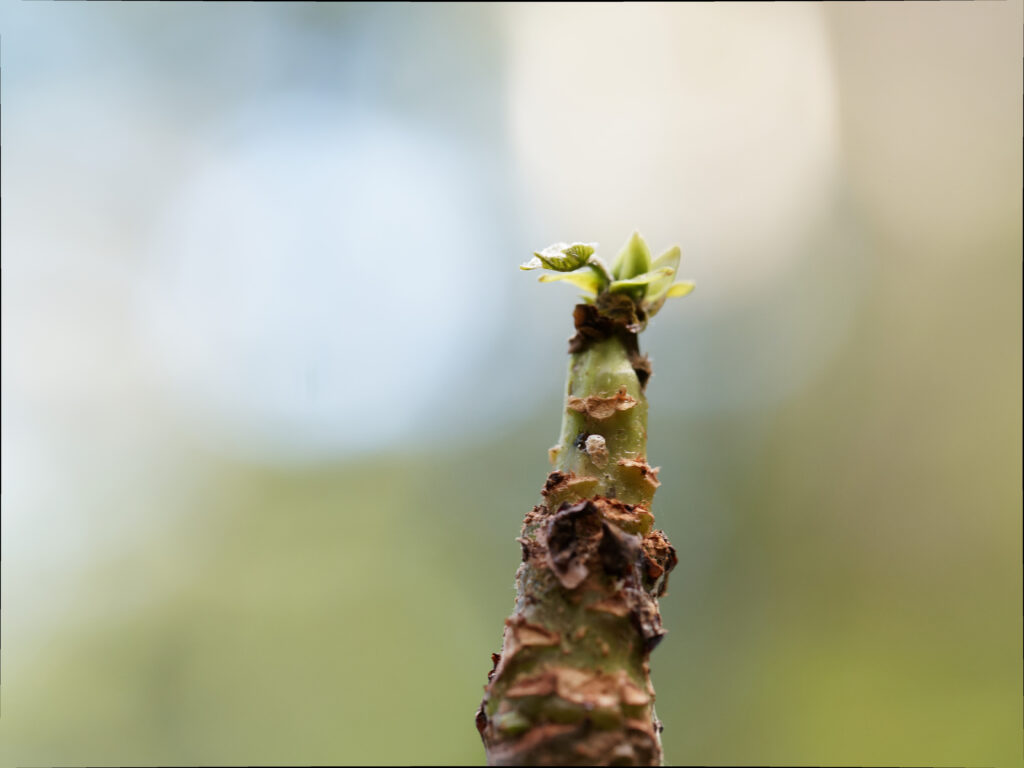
596 264
585 279
634 259
658 288
642 280
581 251
654 303
669 258
564 257
682 288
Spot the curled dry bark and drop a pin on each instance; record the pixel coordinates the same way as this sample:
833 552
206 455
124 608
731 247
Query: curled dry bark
572 684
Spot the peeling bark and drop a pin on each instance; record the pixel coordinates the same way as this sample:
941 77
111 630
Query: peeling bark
600 408
572 685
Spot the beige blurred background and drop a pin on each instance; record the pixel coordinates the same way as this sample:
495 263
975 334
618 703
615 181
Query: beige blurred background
275 396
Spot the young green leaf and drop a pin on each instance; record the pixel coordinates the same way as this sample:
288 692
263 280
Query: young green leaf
655 303
658 288
581 251
584 278
645 279
634 259
561 257
682 288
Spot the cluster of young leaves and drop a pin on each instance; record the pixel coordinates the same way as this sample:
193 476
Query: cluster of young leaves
648 282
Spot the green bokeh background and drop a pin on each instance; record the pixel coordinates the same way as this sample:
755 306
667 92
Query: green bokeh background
849 585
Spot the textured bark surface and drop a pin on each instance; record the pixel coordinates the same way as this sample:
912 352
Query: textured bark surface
572 685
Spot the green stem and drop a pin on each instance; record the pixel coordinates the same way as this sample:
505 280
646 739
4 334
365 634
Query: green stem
572 683
601 371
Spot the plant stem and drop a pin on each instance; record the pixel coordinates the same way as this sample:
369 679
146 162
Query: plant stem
572 683
603 369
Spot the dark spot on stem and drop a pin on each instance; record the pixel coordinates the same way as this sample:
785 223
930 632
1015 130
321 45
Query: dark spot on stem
617 550
647 620
571 538
652 642
481 720
554 479
621 310
591 327
495 659
658 561
525 544
641 367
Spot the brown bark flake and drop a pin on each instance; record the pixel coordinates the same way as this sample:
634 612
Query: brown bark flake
647 473
571 538
644 727
594 533
646 617
617 550
495 660
659 560
585 688
615 605
600 408
562 485
524 633
541 685
542 745
632 518
535 514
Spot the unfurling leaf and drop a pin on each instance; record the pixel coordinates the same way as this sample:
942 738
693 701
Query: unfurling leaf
562 257
581 251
